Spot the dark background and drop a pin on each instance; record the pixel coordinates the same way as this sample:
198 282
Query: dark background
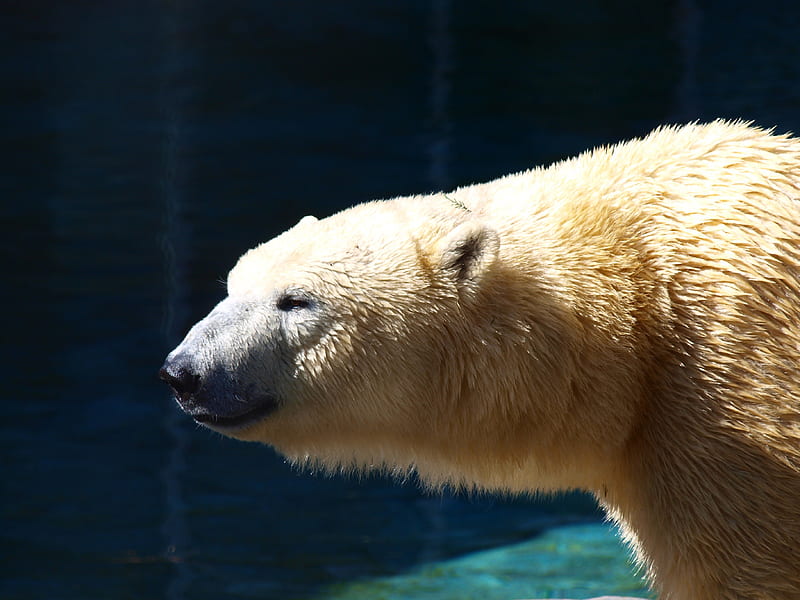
145 145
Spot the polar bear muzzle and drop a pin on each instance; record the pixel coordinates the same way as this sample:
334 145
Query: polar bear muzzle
210 372
193 393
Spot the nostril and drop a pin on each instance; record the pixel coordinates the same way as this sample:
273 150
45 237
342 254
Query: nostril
182 380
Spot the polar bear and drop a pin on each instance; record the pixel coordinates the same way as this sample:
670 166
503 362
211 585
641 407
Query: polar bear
625 322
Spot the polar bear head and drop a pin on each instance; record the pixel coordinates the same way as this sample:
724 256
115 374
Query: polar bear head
345 339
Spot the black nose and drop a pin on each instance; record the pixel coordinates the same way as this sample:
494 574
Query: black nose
180 378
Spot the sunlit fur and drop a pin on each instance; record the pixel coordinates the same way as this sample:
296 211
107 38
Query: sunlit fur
625 322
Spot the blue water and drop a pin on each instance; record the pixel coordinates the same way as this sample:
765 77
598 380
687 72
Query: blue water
145 145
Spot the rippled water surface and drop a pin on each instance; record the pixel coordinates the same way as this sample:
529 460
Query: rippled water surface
145 145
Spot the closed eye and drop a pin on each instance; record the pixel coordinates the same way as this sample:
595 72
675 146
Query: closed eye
291 302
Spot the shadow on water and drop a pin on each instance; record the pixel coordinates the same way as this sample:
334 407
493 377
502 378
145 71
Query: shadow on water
147 144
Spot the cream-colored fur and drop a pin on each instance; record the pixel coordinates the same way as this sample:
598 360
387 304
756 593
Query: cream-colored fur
626 322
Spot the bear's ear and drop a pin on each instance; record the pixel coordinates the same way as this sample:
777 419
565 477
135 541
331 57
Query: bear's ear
468 251
308 219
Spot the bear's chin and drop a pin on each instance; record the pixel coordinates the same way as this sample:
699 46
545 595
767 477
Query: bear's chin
229 424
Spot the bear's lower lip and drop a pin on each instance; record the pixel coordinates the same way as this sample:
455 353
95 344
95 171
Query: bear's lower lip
263 407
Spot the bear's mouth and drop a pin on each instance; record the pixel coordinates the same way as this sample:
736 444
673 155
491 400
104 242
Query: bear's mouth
260 408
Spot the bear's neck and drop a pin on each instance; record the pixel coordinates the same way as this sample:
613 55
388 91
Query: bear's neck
661 433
